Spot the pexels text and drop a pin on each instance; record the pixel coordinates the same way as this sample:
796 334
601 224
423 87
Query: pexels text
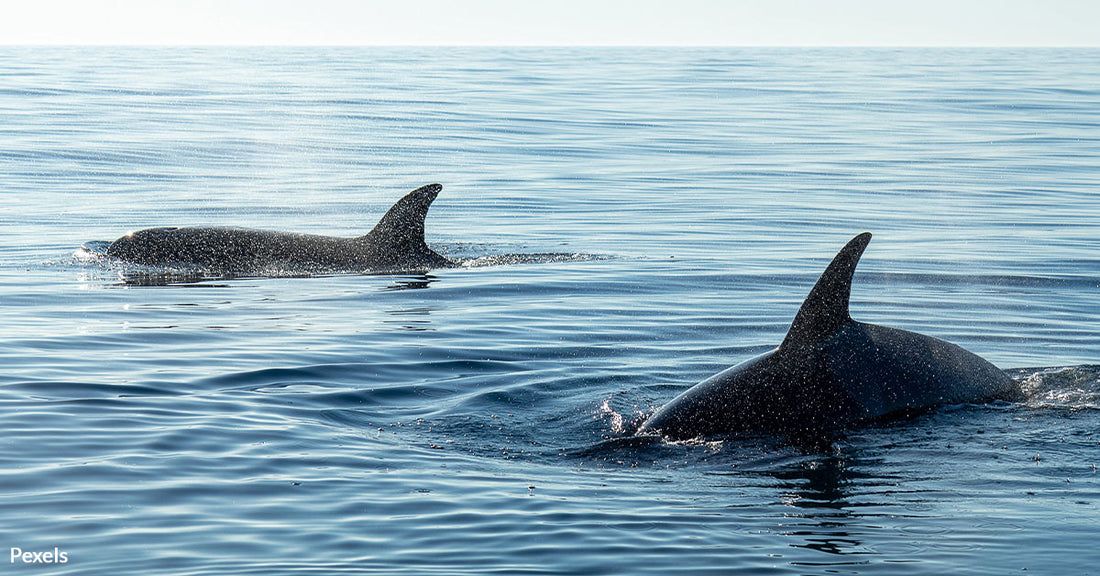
56 556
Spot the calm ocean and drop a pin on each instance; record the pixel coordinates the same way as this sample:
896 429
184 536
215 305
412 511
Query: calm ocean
631 221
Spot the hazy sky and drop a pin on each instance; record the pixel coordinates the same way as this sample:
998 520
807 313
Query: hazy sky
552 22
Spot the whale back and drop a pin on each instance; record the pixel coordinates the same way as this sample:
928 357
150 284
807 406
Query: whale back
831 371
395 243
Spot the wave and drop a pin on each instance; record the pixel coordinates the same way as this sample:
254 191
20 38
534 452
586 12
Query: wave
1063 388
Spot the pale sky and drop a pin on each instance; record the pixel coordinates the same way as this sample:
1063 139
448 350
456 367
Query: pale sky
554 22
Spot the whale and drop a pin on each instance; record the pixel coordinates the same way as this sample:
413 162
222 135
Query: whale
831 373
395 244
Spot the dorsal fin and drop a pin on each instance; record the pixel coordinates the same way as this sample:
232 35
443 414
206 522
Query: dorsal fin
826 308
401 230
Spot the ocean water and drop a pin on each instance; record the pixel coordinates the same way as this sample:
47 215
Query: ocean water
630 221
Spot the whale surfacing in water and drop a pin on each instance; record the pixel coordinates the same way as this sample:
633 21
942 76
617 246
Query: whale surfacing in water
396 244
831 372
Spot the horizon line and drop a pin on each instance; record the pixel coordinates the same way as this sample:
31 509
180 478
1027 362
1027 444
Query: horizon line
492 45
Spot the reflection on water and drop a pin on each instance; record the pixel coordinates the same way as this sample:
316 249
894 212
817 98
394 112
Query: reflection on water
411 283
198 278
160 278
820 487
412 319
815 483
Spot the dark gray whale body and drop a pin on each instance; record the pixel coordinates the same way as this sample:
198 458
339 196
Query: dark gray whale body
831 372
395 244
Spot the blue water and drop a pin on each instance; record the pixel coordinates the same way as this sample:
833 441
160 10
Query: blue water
631 220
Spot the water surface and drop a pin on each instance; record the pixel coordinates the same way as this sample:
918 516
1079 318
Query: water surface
633 221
